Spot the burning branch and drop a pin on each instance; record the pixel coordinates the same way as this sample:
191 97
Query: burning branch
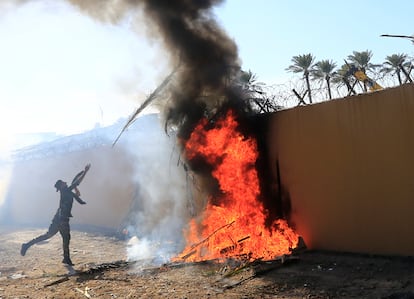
149 99
234 246
204 240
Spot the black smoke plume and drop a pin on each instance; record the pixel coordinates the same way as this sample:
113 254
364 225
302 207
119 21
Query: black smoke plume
207 59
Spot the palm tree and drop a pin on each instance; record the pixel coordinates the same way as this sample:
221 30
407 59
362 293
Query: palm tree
394 64
303 64
343 78
362 61
249 82
258 99
324 70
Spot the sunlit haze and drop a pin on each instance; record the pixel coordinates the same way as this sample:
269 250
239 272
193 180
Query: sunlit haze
80 68
65 72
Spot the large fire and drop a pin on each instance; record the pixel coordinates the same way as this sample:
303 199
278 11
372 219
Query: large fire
234 226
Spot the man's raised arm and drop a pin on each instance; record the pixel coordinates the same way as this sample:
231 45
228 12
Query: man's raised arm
79 177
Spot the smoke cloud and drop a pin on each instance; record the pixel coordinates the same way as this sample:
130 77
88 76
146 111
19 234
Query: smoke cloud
207 62
207 59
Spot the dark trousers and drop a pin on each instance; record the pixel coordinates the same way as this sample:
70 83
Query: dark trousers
61 225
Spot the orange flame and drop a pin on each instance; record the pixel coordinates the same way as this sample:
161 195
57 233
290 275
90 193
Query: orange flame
236 226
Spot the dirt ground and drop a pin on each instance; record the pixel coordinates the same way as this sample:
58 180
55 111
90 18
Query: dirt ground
102 271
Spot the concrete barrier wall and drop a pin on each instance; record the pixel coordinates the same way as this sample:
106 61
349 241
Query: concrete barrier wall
108 188
348 168
137 184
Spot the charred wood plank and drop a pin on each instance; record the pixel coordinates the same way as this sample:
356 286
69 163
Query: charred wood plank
101 268
63 279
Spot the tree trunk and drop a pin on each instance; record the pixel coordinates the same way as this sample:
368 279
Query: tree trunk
308 86
399 76
328 83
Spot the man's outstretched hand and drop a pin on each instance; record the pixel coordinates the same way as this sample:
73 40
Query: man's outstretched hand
87 167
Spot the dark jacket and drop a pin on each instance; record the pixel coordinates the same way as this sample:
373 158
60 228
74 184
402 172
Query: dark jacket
67 196
66 201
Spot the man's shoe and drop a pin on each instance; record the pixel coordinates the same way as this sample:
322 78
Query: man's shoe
67 261
23 249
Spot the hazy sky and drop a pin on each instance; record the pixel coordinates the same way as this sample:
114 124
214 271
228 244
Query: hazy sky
61 71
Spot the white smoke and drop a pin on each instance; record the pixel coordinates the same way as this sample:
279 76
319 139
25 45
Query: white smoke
161 199
139 249
160 208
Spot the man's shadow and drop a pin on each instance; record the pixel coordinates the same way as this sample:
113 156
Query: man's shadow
71 270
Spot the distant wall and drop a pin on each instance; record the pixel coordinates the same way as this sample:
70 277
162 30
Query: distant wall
347 166
138 184
108 188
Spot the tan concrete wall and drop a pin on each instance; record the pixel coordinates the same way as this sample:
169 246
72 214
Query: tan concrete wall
348 167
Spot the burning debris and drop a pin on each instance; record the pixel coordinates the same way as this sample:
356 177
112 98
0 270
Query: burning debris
234 220
211 115
209 110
